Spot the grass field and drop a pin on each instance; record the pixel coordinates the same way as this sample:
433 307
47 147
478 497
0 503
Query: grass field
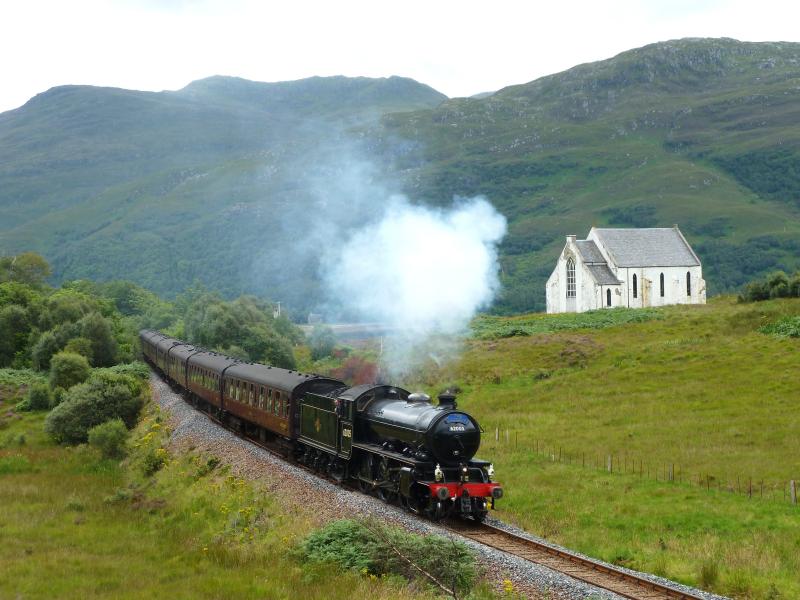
698 387
73 525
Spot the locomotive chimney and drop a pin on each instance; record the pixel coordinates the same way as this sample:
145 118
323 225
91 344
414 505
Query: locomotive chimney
447 400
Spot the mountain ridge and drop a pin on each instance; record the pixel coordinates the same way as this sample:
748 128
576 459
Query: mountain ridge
701 132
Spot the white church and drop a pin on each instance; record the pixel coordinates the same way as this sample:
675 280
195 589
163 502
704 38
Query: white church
625 267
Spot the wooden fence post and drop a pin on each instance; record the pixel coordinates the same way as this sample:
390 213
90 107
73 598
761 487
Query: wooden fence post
793 491
610 464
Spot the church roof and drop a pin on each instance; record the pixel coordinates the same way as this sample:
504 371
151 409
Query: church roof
655 247
590 253
603 275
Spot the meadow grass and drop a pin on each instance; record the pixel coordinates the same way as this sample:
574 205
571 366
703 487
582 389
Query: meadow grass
696 386
76 526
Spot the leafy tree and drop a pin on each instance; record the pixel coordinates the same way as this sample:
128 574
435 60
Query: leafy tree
245 323
39 397
96 329
68 369
12 292
104 397
43 350
66 306
322 342
14 329
80 345
28 268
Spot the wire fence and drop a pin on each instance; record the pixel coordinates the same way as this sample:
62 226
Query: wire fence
670 472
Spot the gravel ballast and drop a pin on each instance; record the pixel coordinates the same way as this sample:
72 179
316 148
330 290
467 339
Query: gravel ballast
326 501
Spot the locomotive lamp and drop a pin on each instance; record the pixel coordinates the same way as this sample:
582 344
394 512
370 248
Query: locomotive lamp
438 474
464 474
490 470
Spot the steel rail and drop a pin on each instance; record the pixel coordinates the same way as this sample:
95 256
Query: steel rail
590 571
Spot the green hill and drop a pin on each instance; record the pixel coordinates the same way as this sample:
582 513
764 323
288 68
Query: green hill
215 182
703 133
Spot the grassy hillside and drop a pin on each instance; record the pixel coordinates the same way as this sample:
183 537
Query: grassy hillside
227 180
696 387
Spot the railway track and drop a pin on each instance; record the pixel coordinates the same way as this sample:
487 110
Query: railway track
578 567
589 571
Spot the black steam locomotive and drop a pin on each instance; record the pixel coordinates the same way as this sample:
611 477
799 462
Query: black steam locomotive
394 444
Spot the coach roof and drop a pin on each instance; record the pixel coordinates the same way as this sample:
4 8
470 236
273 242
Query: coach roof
274 377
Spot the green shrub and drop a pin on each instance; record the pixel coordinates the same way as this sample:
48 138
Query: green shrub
369 547
786 327
322 342
39 397
43 350
153 460
109 438
68 369
80 345
775 285
104 397
135 369
58 396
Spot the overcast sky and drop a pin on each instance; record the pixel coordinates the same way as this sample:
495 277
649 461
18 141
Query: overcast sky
458 47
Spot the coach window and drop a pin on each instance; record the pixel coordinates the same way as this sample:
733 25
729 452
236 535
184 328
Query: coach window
278 401
635 287
238 391
688 283
661 281
252 399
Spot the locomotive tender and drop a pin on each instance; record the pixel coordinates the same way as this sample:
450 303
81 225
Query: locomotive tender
394 444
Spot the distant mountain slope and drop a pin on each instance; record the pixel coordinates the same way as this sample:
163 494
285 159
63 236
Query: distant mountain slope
219 182
703 133
118 183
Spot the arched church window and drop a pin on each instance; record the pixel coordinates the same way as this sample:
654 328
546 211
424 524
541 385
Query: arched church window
688 283
570 278
635 287
608 297
661 281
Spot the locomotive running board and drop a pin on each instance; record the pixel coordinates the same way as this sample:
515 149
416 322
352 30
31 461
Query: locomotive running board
390 454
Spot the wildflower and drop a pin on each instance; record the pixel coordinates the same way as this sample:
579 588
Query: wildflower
508 586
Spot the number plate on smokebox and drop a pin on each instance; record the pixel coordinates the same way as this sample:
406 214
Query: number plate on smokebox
466 504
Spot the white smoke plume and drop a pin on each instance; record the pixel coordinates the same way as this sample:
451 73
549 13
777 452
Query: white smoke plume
421 272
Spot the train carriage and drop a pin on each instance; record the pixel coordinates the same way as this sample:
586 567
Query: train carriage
163 346
268 396
177 362
148 340
205 374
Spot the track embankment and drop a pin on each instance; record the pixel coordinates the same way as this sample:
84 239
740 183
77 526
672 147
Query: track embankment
324 501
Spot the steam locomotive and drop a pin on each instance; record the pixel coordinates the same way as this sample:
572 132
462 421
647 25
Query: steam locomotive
394 444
